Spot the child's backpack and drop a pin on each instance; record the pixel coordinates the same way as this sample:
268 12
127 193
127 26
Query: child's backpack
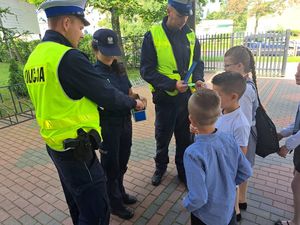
266 137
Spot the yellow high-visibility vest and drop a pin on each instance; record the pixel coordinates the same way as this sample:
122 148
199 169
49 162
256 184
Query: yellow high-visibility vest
166 62
58 116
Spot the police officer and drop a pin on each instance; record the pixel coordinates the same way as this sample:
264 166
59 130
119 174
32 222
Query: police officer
65 90
116 125
168 51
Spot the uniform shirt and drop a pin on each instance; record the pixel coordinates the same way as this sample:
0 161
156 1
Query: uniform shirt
294 139
214 165
120 82
181 50
236 124
79 78
248 104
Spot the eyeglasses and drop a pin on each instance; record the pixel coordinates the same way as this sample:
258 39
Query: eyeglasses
227 65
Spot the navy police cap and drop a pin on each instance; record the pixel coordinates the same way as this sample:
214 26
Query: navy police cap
55 8
107 42
184 7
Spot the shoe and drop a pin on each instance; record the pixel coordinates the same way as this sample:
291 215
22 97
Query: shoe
156 178
129 199
238 217
182 179
279 222
243 206
124 213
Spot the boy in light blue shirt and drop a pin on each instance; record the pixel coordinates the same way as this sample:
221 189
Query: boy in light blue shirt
214 165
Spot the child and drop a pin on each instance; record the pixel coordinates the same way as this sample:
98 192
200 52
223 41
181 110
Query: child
214 165
231 86
240 59
293 143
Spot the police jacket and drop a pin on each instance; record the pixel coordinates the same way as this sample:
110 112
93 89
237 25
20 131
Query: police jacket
117 79
180 47
79 78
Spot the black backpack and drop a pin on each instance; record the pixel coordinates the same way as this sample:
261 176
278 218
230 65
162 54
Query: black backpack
266 137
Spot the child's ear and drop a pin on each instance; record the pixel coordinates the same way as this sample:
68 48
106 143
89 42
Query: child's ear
235 97
191 120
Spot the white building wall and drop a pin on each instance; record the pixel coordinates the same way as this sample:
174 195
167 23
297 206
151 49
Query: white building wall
25 18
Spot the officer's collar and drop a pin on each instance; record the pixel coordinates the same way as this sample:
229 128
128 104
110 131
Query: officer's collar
186 29
102 65
54 36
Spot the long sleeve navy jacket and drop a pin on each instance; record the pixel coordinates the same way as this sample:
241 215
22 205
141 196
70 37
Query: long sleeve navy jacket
181 50
80 79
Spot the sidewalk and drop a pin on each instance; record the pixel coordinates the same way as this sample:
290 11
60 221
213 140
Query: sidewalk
30 192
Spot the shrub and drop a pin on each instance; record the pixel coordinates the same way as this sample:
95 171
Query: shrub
85 46
26 47
295 33
16 80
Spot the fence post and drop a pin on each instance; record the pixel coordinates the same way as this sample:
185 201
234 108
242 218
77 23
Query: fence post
232 40
285 52
13 100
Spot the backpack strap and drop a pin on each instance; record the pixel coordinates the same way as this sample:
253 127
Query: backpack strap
254 87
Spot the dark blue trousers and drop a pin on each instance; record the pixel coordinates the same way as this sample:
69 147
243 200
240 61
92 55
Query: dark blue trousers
172 118
117 141
84 186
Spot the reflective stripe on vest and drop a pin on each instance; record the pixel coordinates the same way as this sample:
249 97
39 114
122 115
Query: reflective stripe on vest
166 62
58 116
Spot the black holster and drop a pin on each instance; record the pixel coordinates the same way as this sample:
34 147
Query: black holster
84 145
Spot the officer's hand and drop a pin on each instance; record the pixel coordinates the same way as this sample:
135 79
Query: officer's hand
283 151
144 100
200 84
181 86
139 105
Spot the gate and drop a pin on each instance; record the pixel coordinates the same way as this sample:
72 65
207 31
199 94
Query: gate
269 49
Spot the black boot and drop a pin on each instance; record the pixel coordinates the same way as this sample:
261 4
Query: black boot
129 199
123 212
157 176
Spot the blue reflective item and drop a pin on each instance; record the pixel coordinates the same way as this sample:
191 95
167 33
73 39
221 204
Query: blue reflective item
139 115
189 73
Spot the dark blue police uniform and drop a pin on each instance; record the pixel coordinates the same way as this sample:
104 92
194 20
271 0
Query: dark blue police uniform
84 184
116 129
171 111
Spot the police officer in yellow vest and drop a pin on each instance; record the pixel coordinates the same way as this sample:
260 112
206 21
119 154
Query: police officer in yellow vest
168 52
65 90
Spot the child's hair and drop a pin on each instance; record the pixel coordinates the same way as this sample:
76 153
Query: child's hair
204 107
242 54
230 82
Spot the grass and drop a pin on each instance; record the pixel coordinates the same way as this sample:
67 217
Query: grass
133 73
4 74
293 59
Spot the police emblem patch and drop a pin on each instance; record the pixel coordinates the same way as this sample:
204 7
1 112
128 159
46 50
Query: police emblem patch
110 40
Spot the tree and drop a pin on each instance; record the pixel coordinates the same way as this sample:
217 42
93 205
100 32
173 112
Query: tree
9 36
260 8
235 10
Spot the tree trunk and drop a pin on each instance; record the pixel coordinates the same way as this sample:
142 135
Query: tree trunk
115 21
192 19
256 24
16 51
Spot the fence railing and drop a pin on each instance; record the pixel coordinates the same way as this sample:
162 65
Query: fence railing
269 49
15 107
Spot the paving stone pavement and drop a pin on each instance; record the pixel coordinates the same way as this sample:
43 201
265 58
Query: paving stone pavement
30 191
